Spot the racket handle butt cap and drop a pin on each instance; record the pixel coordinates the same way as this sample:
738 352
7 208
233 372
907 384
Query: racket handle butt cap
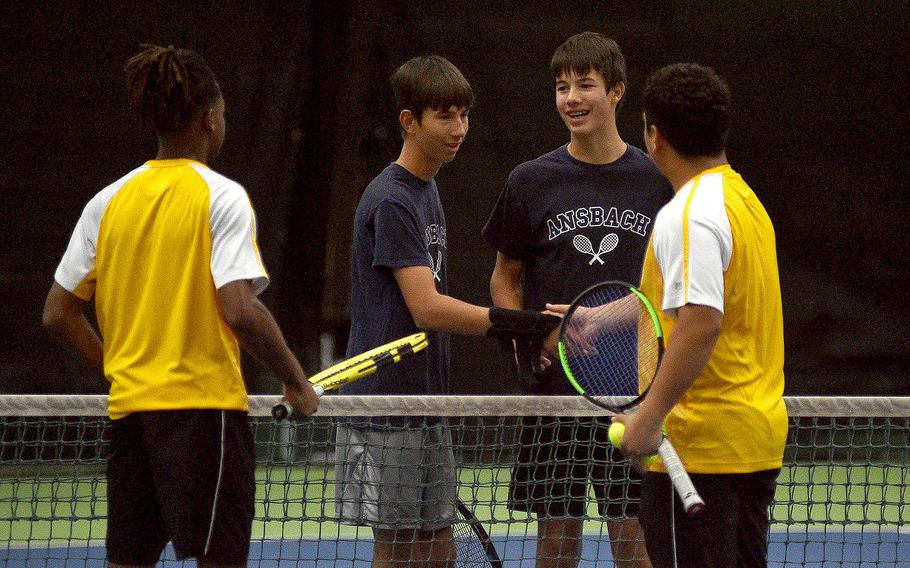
695 508
282 411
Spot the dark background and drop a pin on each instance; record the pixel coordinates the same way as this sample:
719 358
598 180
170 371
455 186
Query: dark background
820 133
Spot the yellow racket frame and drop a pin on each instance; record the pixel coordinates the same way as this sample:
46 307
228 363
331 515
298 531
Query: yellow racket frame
368 362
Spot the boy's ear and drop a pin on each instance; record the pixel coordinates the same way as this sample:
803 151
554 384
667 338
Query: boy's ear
407 120
651 135
657 138
208 120
617 92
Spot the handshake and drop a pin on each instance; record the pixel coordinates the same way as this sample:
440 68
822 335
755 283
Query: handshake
532 336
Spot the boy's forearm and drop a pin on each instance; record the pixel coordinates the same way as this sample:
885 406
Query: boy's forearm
260 336
64 317
506 295
506 289
448 314
75 333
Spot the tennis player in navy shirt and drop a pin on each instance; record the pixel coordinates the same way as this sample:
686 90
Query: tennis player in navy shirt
393 474
569 219
399 224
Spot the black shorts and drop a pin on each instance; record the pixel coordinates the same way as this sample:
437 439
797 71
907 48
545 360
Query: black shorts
187 476
557 458
732 531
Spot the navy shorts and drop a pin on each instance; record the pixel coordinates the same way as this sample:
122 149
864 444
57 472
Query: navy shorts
557 459
185 476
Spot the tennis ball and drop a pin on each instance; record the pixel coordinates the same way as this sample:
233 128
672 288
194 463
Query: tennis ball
616 432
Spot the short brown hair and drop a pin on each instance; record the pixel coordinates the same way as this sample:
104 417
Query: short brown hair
586 51
430 81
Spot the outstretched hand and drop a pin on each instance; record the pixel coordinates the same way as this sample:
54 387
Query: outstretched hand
582 331
551 341
557 310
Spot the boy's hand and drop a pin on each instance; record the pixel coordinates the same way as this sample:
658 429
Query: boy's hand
302 398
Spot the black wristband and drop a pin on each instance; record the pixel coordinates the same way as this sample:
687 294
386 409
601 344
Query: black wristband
525 325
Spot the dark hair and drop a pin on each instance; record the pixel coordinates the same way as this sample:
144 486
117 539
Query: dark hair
586 51
430 81
169 87
690 104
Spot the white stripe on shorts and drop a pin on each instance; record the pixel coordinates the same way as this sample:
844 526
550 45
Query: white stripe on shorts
208 540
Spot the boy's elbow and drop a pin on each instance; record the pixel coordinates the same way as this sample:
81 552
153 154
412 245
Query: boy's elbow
426 315
244 317
51 319
234 318
422 320
61 309
54 316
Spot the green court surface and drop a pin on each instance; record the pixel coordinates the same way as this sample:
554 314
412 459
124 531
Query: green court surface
297 503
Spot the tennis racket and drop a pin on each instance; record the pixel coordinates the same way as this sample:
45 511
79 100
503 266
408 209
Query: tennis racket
472 541
358 367
610 346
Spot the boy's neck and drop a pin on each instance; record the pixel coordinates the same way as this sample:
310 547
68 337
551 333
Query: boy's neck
415 161
601 147
182 146
681 170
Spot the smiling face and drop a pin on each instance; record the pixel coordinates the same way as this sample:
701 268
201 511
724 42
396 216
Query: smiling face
584 103
439 133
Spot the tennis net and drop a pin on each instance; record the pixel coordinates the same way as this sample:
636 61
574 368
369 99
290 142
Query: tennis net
843 496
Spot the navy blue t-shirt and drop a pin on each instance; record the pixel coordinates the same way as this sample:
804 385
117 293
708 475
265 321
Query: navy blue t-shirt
574 224
399 223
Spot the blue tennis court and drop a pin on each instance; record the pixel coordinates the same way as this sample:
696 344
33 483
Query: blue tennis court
813 549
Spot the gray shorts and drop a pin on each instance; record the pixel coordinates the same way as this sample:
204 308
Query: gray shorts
395 479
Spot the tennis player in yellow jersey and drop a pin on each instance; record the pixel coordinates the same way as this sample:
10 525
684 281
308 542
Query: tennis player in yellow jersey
169 252
712 268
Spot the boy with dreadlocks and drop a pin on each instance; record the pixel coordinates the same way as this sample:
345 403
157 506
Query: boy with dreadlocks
169 252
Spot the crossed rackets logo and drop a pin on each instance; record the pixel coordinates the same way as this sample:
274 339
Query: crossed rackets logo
583 244
437 266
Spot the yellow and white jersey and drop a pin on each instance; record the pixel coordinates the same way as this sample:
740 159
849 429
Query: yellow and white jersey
154 247
713 244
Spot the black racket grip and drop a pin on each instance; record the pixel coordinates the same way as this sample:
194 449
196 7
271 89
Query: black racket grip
282 411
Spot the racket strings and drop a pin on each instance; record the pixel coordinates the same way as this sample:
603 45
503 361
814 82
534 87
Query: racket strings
611 343
472 544
470 548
